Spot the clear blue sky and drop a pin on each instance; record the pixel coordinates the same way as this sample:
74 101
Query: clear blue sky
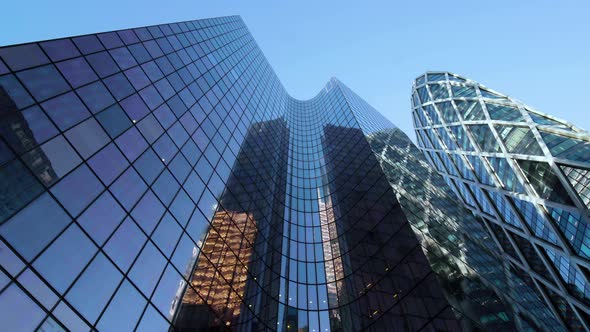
536 51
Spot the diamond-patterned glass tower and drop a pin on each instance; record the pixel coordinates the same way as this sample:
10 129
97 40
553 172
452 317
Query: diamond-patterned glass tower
525 173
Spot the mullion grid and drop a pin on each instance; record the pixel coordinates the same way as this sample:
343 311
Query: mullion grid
100 250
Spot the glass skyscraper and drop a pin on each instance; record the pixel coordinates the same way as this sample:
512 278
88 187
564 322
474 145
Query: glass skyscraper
524 173
162 179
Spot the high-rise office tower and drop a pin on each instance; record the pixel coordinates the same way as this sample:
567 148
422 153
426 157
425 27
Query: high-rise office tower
161 178
524 173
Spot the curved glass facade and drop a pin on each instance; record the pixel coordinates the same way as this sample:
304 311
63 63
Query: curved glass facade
161 178
524 173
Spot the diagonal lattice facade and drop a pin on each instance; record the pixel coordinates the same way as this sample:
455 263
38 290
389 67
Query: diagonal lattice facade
525 173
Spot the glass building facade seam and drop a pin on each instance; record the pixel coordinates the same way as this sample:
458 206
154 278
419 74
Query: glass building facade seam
524 173
161 178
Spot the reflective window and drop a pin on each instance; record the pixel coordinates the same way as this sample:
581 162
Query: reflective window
43 82
94 288
61 263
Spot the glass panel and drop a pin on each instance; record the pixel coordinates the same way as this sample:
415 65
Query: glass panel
18 312
102 217
43 82
94 288
77 190
123 312
23 56
61 263
66 110
87 137
77 71
30 230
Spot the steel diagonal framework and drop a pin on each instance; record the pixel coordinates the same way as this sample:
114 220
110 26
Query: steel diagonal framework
525 173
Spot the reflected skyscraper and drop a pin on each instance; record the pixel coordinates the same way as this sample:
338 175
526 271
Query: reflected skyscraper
523 173
172 183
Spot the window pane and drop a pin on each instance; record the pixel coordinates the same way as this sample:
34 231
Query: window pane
61 263
30 230
18 312
114 120
43 82
77 71
91 292
124 311
66 110
87 137
125 244
77 190
102 217
96 96
23 56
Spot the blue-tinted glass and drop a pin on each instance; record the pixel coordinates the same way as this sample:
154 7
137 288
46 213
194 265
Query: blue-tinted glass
128 188
128 36
77 190
140 53
95 287
134 107
166 291
11 88
165 116
19 187
137 78
125 244
152 321
96 96
18 312
182 207
67 317
30 230
165 148
88 44
87 137
147 269
102 217
39 124
131 143
119 86
124 310
60 49
23 56
148 212
151 97
43 82
180 168
108 163
165 187
110 40
167 234
103 64
123 58
77 72
52 160
39 289
152 71
61 263
150 128
114 120
149 166
66 110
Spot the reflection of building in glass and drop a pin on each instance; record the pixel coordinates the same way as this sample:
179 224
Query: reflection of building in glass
382 257
242 238
18 184
524 174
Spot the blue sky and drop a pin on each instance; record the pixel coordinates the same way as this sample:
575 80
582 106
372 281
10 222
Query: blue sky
535 51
